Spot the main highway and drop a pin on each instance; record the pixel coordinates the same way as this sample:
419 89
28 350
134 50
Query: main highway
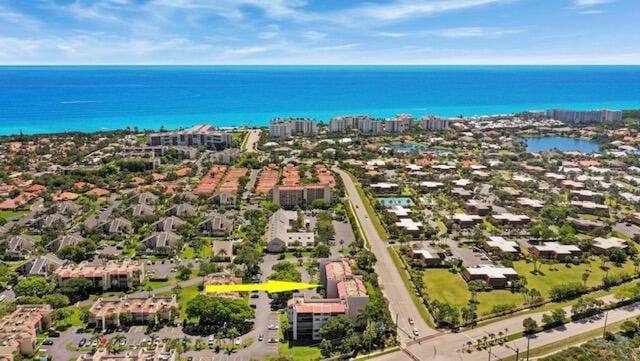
400 302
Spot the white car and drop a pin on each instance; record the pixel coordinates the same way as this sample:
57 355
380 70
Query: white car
237 341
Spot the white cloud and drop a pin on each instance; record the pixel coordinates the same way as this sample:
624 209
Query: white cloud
591 12
404 9
247 50
475 32
586 3
268 35
314 35
388 34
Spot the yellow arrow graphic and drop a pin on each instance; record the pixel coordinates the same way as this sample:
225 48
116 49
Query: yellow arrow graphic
270 286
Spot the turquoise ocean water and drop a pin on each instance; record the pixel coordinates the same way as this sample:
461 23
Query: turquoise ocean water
88 98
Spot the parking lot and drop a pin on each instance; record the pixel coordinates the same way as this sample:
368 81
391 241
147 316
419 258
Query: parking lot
467 255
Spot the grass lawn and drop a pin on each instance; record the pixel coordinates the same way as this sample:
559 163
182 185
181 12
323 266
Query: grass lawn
445 286
487 300
442 226
189 253
73 319
12 214
566 273
160 284
451 288
186 295
297 350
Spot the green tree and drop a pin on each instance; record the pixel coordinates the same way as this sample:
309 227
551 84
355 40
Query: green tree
56 300
76 288
337 327
530 325
321 251
183 272
32 286
326 349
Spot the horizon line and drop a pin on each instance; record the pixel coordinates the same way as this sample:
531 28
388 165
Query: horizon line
323 65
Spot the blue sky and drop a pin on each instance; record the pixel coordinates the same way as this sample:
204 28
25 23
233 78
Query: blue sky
319 32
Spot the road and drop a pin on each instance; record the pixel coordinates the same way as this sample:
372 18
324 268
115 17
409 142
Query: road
252 141
400 302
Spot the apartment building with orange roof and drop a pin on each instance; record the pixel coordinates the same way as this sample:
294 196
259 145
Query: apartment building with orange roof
231 182
268 178
210 181
18 331
346 295
106 312
109 275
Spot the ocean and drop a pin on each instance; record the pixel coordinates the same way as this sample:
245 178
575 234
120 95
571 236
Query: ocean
43 99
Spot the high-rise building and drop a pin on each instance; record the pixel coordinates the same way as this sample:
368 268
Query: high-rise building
286 127
585 116
347 122
401 123
434 123
199 136
294 195
346 295
369 126
280 130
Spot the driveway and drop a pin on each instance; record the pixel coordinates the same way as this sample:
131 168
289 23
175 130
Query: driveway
468 257
628 229
343 237
58 351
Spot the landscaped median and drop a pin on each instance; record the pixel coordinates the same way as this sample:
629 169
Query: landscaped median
382 232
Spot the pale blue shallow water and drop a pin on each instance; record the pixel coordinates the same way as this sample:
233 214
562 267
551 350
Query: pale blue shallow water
564 144
88 98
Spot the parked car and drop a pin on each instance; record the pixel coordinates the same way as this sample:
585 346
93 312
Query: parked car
82 342
260 338
47 342
237 341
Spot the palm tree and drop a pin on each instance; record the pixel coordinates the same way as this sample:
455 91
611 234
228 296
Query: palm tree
585 277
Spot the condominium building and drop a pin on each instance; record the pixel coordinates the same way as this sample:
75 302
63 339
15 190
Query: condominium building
345 123
308 316
346 295
198 136
369 126
286 127
434 123
491 275
281 235
294 195
401 123
106 313
555 250
363 123
585 116
18 331
106 276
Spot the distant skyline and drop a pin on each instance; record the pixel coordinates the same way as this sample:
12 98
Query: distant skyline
331 32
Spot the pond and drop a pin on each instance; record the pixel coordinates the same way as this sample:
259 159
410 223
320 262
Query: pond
564 144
